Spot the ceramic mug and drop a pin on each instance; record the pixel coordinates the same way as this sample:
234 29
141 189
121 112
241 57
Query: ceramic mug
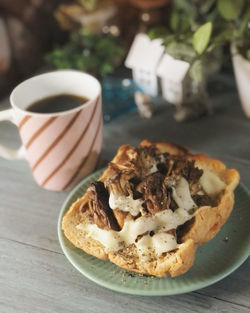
63 147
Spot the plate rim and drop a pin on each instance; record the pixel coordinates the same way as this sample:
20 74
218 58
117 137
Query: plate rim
133 291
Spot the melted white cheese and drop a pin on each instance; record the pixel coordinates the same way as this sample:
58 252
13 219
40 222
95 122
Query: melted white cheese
211 183
163 242
159 223
108 238
126 204
159 243
144 244
182 196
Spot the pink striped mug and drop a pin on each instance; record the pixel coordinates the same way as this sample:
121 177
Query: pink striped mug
63 147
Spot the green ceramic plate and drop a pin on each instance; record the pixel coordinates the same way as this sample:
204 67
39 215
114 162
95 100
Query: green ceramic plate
214 260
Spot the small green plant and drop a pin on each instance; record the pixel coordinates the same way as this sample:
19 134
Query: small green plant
236 17
190 47
197 29
99 55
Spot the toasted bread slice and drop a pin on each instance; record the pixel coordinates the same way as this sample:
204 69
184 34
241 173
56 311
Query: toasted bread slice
205 223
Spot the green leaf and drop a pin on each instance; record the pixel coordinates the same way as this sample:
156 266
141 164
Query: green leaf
185 24
245 20
181 51
158 32
187 7
168 40
222 38
230 9
201 37
196 71
174 21
106 68
206 5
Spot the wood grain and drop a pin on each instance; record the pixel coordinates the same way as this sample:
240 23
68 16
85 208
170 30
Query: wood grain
45 282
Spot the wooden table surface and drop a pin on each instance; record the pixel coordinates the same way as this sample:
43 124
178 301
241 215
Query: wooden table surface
35 276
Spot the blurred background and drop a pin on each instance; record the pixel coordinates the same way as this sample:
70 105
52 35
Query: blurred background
144 52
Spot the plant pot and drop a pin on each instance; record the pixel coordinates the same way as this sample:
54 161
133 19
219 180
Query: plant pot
242 73
75 17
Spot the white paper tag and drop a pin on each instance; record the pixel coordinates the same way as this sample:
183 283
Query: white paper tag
145 54
172 73
143 58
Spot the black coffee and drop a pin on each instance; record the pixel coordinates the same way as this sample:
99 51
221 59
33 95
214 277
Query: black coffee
57 103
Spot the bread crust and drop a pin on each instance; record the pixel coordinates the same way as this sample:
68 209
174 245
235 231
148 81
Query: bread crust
207 220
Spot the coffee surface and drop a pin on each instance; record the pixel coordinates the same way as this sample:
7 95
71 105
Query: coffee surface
57 103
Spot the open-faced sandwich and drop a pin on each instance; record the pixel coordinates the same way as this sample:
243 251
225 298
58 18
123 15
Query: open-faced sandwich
152 207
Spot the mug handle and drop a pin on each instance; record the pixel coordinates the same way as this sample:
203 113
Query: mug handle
7 153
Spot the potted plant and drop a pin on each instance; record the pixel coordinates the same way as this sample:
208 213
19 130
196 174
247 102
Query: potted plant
193 36
98 54
236 15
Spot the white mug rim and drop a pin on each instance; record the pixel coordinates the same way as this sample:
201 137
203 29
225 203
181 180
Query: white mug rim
66 112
